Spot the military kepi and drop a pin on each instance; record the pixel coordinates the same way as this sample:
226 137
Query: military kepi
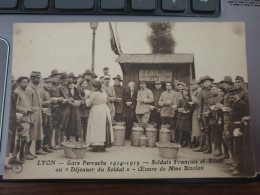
233 91
47 80
239 78
35 74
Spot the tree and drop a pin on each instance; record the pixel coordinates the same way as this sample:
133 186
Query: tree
160 39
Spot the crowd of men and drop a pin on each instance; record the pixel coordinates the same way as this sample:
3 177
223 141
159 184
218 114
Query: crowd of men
209 117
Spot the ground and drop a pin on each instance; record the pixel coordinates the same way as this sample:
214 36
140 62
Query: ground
121 162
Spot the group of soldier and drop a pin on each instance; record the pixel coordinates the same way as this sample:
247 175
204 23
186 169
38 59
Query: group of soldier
208 117
197 116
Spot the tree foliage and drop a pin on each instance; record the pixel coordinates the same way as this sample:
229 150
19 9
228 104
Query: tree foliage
160 39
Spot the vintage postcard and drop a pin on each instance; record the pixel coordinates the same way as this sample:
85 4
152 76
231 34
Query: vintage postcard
129 101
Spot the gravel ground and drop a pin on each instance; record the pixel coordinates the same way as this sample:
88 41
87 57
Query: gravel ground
121 162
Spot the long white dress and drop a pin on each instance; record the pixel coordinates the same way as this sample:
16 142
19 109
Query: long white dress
99 120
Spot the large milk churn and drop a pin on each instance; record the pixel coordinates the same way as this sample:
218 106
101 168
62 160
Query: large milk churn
119 134
137 132
165 134
151 134
143 141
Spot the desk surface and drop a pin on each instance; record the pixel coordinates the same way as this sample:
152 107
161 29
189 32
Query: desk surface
128 188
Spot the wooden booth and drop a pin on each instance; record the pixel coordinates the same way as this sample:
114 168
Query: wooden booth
153 67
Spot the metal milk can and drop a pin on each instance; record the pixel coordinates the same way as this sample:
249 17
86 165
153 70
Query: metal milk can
137 132
165 134
143 141
151 134
119 134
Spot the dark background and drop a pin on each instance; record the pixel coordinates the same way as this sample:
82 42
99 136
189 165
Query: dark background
131 187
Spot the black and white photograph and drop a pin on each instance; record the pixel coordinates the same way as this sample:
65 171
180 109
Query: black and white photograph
129 100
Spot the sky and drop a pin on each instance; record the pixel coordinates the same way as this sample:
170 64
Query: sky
219 48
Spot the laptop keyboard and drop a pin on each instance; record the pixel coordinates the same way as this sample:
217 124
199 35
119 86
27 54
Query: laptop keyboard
206 8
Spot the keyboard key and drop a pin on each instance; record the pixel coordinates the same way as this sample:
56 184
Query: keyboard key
8 4
36 4
113 4
174 5
146 5
74 4
204 5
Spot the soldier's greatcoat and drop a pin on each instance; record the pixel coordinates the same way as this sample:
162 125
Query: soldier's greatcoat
36 131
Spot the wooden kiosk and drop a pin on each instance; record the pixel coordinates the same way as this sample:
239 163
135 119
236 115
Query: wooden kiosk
152 67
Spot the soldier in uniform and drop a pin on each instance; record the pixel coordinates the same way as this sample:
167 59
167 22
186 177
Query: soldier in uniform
46 115
85 92
195 92
155 115
144 100
214 130
55 106
12 125
226 85
111 95
166 102
64 109
119 90
36 131
239 109
23 106
203 106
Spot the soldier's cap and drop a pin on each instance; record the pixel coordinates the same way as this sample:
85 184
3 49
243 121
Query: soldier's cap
117 77
239 78
105 68
227 79
207 78
94 75
142 82
71 75
106 77
88 72
35 74
157 83
233 91
182 83
194 81
200 80
54 73
64 75
47 80
102 77
80 76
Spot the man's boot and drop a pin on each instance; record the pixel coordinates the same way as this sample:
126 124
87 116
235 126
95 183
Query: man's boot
202 143
27 150
57 140
208 139
14 159
38 148
23 142
27 156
